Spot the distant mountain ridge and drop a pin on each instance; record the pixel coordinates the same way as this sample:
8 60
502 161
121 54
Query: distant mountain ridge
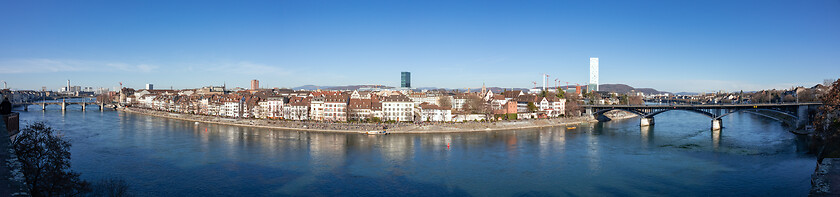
347 87
617 88
624 89
356 87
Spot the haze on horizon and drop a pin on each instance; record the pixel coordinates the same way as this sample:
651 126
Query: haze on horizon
675 46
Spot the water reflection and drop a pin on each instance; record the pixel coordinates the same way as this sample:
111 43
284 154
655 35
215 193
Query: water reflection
716 139
593 148
173 157
646 134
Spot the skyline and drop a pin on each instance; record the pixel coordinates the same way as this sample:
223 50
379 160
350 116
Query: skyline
669 46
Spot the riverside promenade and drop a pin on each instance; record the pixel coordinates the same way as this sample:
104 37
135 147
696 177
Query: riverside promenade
354 127
826 178
10 185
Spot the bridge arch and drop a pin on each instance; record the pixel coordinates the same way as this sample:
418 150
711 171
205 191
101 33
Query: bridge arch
785 113
600 112
705 113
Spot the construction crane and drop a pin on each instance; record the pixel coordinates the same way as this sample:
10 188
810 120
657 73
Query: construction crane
535 84
545 79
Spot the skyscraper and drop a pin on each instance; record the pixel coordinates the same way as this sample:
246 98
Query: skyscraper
406 80
593 74
150 86
255 84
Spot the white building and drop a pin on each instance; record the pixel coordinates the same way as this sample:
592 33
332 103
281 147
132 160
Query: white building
431 112
552 106
316 108
398 108
593 74
458 102
272 107
230 108
296 109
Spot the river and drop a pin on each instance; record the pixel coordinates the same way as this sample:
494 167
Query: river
679 155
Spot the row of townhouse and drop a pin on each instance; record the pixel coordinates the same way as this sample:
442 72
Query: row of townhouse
506 102
339 106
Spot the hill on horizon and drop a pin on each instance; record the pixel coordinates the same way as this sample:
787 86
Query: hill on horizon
617 88
624 89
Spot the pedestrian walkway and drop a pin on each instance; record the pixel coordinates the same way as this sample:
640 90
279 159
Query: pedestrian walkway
8 186
826 179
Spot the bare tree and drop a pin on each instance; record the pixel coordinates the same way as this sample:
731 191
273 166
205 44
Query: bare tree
44 156
444 101
788 98
635 100
474 104
110 187
572 107
827 119
808 96
827 122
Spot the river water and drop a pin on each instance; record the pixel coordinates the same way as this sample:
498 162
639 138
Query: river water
751 156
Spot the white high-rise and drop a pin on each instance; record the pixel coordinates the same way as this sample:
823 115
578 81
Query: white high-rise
593 74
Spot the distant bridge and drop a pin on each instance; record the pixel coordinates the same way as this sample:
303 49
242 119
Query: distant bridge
64 104
798 112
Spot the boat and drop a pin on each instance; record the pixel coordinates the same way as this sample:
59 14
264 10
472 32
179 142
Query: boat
383 132
571 127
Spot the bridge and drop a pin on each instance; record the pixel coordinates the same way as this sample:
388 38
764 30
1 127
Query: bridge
64 104
797 112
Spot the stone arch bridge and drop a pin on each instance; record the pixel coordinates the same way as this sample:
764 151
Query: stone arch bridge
796 112
64 105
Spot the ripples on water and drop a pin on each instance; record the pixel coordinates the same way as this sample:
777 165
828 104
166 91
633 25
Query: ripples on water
679 155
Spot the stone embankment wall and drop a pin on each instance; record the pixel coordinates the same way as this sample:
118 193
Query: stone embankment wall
826 178
351 127
11 179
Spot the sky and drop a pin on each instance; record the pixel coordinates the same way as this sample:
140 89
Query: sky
677 46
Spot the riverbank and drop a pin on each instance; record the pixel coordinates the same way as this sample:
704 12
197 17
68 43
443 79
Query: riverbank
826 178
12 183
351 127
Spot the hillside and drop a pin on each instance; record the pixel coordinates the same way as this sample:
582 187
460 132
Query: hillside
348 87
624 89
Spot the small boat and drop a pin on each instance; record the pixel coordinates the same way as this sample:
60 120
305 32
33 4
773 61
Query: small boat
571 127
383 132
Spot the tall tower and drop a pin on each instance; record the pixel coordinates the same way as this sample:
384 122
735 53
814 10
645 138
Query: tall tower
68 86
405 82
593 74
255 84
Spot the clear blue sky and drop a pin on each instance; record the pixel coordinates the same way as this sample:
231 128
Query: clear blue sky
668 45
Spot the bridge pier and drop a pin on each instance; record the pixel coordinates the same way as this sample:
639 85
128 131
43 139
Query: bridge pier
63 106
43 107
84 106
717 124
26 107
646 121
802 116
